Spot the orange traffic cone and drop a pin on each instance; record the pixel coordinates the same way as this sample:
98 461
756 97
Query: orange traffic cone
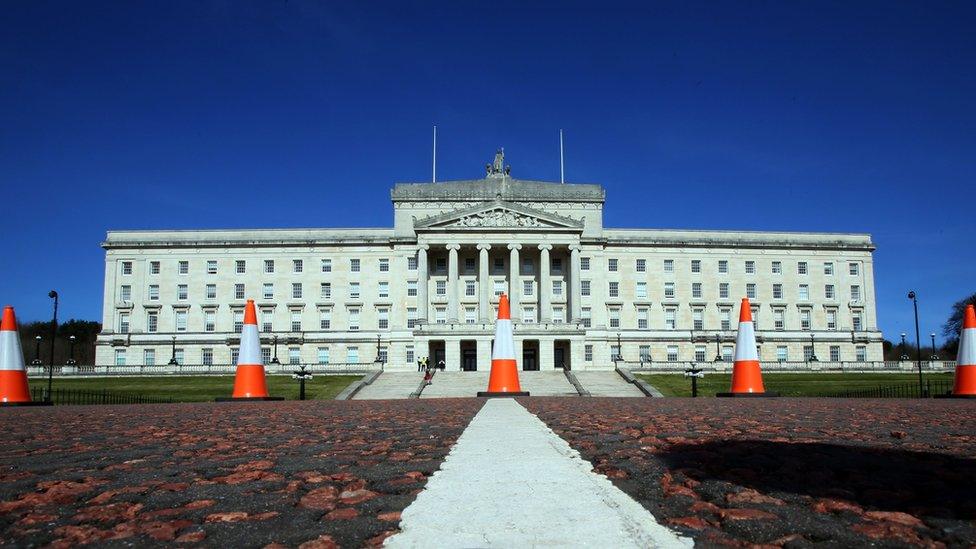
504 380
746 375
965 386
249 382
13 375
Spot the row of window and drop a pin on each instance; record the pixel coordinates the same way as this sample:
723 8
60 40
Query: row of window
722 266
292 356
240 266
702 353
640 290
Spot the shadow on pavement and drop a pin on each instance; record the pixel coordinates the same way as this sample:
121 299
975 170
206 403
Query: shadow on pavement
919 483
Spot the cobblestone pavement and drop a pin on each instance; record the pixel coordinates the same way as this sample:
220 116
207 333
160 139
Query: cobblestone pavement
308 474
786 472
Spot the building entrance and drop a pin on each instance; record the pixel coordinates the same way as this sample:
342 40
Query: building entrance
560 355
530 355
469 356
437 353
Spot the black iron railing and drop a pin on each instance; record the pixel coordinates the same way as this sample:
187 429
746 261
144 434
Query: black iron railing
904 390
77 396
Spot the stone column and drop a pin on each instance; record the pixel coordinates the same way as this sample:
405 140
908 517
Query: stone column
484 289
574 283
513 281
423 274
452 355
545 285
547 360
484 355
452 282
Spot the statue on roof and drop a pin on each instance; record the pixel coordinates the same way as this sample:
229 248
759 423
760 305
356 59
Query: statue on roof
498 167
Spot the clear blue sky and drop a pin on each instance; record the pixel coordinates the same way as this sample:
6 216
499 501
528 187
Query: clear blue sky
759 115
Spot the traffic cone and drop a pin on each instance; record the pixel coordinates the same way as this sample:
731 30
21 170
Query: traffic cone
13 374
249 382
746 375
504 380
965 385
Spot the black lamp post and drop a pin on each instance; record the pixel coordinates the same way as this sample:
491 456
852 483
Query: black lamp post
918 345
718 348
71 352
274 342
172 359
620 351
37 351
813 350
302 375
54 331
934 356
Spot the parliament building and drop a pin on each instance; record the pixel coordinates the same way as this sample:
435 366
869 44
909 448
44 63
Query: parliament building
583 296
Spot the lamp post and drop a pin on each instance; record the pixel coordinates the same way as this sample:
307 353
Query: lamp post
904 355
918 344
813 350
37 351
302 375
71 353
54 331
934 356
172 358
274 342
620 351
718 348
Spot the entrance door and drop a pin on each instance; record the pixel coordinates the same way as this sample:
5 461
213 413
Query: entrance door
559 358
469 360
530 356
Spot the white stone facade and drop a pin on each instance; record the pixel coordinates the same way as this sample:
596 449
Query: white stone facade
429 285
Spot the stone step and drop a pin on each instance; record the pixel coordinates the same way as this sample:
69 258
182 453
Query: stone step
606 384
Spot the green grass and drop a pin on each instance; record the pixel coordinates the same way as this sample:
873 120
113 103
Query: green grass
199 388
811 384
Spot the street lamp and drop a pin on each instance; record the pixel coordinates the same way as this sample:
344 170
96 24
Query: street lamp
172 359
71 353
37 352
934 356
918 344
620 350
813 351
904 355
54 331
718 349
274 342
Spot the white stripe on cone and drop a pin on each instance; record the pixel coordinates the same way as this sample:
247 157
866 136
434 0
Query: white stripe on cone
11 355
504 344
967 348
745 343
250 353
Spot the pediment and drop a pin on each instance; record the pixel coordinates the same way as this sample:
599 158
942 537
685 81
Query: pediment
498 215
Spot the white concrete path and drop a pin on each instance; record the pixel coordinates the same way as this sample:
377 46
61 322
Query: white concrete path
511 482
606 384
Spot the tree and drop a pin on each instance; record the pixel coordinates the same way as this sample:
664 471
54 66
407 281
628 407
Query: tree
85 332
953 326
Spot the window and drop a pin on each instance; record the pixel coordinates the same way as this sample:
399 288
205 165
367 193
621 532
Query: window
755 316
777 291
835 353
614 317
528 315
779 319
384 265
297 265
829 291
149 357
807 353
726 316
499 287
527 288
615 353
326 265
383 318
354 265
352 355
696 289
557 287
120 357
586 316
672 353
557 265
469 265
584 287
209 321
322 355
383 289
441 287
238 322
183 267
153 270
698 318
325 290
211 291
498 266
125 292
269 266
861 353
831 319
828 268
528 267
669 290
857 322
211 266
641 266
805 320
558 315
354 318
640 291
410 354
268 290
726 353
669 318
696 266
853 268
296 321
440 315
750 267
782 353
152 322
855 293
181 321
353 290
207 356
178 355
240 267
751 291
411 317
123 323
584 264
613 289
267 320
265 355
801 268
239 291
126 268
723 290
469 315
723 266
382 355
412 288
777 267
440 265
669 265
325 319
612 265
699 353
182 293
412 263
588 353
469 288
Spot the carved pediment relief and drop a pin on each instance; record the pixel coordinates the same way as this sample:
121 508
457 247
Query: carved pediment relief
498 215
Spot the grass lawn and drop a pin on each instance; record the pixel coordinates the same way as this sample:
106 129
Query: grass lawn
786 384
200 388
